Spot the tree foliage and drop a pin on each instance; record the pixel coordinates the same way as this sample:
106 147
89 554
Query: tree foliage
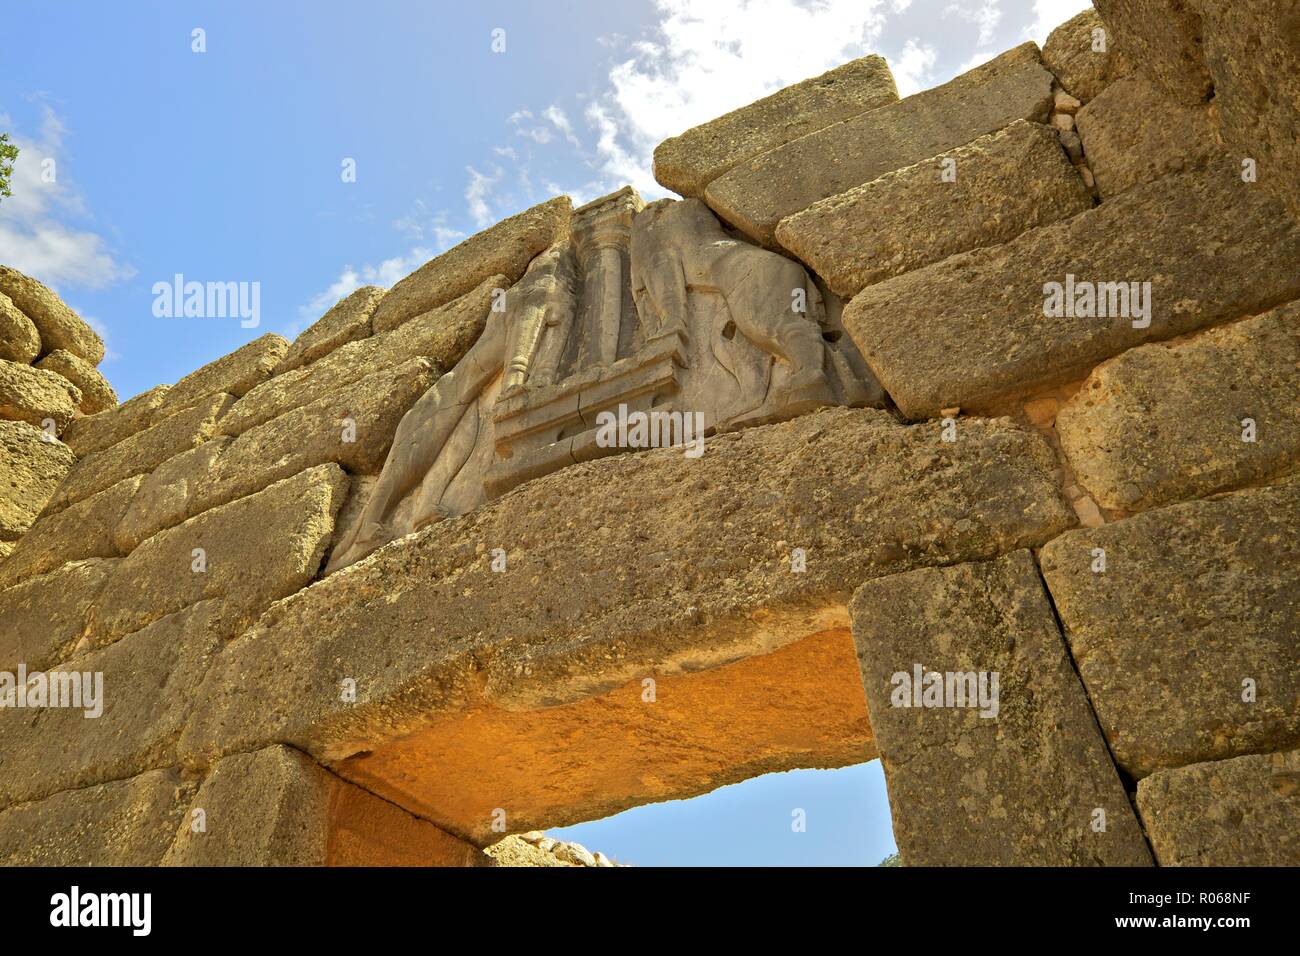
8 153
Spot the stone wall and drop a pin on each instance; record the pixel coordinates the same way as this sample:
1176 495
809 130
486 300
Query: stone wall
1096 506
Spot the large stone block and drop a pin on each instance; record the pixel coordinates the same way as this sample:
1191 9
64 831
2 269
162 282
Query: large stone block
32 464
164 498
142 452
686 164
1189 640
504 249
1082 55
19 340
123 823
58 325
277 807
83 530
1162 38
346 321
758 194
1132 134
234 374
92 433
1005 183
1024 770
974 330
43 618
1239 812
96 393
1162 423
36 396
247 553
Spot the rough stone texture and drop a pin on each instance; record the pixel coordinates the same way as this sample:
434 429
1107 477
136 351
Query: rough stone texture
758 194
1196 599
142 452
443 335
93 433
1019 788
31 466
150 679
6 549
347 321
96 394
1081 70
233 374
504 249
1163 423
42 618
537 849
971 331
83 530
163 500
257 549
123 823
36 396
1252 50
1132 134
1163 39
686 164
1239 812
58 325
1006 182
277 807
19 340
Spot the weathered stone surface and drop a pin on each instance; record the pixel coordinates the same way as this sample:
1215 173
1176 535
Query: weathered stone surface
442 335
1239 812
253 551
42 618
234 374
58 325
94 433
32 464
123 823
1074 53
277 807
347 321
6 549
36 396
758 194
1006 182
149 682
96 393
163 500
1196 610
686 164
971 331
1166 423
504 249
1133 134
83 530
142 452
19 340
1252 50
1024 776
1163 39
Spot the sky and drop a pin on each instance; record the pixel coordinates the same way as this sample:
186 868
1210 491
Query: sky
212 140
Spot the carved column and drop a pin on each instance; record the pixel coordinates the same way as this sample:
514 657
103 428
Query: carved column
601 232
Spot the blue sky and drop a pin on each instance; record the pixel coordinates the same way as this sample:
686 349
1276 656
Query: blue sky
226 166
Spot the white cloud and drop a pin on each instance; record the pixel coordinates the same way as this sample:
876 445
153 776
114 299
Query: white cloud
913 68
385 274
985 14
477 196
1050 14
561 122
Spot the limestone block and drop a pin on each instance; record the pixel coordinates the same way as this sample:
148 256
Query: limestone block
164 498
277 807
42 618
58 325
973 330
1084 60
96 393
234 374
686 164
36 396
248 553
1001 185
505 248
1133 134
92 433
32 464
123 823
1163 39
346 321
1166 423
1023 767
6 549
1239 812
1189 640
758 194
19 340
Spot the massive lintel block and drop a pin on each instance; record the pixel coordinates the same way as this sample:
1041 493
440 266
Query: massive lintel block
32 464
687 163
1162 38
974 330
758 194
58 325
